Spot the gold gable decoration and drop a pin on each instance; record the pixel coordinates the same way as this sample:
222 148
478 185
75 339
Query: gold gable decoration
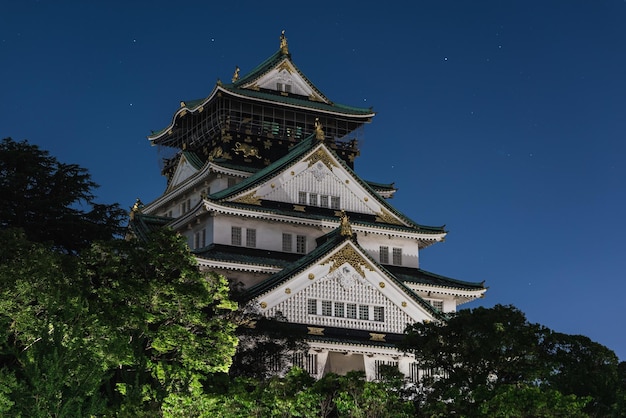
385 217
323 156
249 199
348 255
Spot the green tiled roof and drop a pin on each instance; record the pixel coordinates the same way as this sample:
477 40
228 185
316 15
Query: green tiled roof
142 225
194 159
419 276
245 255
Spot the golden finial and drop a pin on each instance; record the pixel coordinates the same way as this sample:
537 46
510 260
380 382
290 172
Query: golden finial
346 228
136 208
182 104
283 43
236 74
319 132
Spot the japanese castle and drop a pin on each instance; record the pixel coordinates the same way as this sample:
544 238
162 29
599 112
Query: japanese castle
261 180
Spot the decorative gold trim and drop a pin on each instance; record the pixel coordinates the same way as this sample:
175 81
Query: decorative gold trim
346 228
284 48
263 305
319 131
298 208
385 217
247 150
235 75
404 304
249 199
377 337
285 66
315 331
382 285
323 156
288 291
348 255
311 276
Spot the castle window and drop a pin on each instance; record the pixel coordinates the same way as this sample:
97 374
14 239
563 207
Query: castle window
324 201
283 87
327 308
287 242
200 239
301 244
185 206
313 199
312 306
339 309
437 304
379 313
251 238
232 181
334 202
384 255
351 310
397 256
364 312
235 235
302 198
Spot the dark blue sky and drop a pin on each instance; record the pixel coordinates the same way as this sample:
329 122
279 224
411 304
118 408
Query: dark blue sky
504 120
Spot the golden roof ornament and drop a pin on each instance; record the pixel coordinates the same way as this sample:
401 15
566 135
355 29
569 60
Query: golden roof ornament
284 49
136 208
236 74
346 228
319 132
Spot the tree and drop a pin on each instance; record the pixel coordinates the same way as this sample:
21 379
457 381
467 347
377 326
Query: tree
52 202
478 357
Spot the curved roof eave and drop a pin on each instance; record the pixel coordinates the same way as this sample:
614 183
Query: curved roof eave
197 104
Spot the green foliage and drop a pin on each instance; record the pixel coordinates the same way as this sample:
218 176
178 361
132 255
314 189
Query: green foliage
51 201
489 360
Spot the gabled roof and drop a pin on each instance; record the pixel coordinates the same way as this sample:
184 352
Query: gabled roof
245 87
298 151
329 243
419 276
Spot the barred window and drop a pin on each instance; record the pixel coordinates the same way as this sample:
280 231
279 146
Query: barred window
235 235
312 306
200 239
324 201
437 304
301 244
251 238
231 181
313 199
334 202
397 256
384 255
302 198
351 310
185 206
379 313
364 312
287 242
327 308
339 309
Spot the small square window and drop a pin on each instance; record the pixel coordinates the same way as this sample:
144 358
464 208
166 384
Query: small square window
384 255
397 256
312 306
287 242
301 244
339 309
235 235
334 202
302 198
379 313
327 308
313 199
351 310
251 238
324 201
364 312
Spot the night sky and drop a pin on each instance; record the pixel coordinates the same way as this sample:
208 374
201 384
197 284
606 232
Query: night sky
503 120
